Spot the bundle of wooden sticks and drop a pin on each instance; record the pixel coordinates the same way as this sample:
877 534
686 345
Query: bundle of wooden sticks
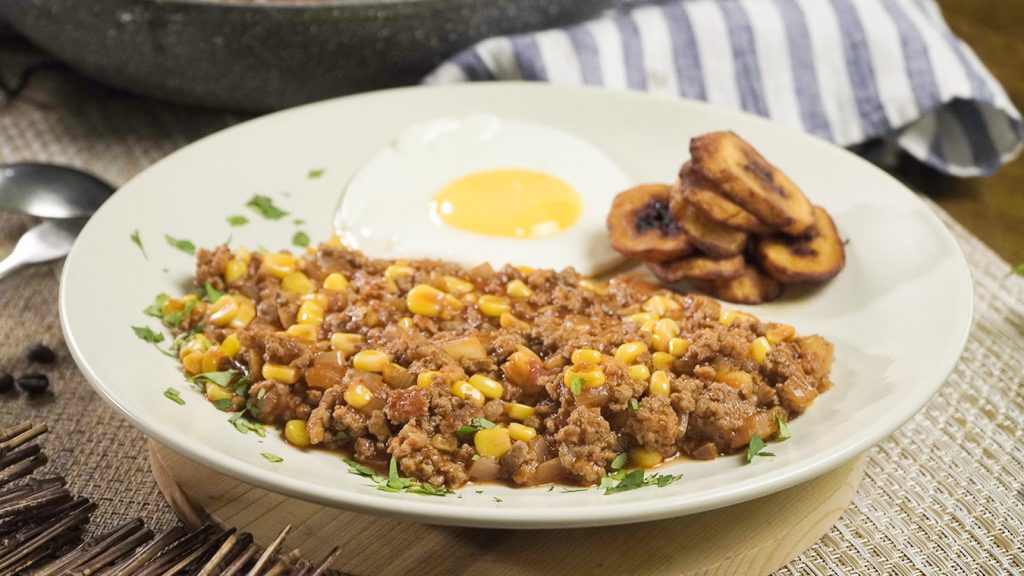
44 532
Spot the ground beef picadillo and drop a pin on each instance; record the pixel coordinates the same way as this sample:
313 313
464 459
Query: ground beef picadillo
395 359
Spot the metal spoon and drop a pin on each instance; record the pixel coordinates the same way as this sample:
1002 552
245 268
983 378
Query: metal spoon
49 191
47 241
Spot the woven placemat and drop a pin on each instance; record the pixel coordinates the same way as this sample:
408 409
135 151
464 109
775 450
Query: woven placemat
941 496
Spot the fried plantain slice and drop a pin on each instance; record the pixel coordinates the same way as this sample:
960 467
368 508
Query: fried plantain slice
704 196
750 286
641 225
696 268
710 237
746 178
816 256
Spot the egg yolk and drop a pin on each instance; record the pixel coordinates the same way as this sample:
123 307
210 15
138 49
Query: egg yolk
508 202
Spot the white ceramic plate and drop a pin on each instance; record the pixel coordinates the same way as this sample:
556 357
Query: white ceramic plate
899 313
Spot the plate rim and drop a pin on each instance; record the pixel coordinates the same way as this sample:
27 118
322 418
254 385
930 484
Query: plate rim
613 513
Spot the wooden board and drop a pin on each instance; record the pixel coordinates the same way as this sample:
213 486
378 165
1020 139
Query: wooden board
756 537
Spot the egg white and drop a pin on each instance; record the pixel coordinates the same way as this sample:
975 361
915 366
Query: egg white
386 208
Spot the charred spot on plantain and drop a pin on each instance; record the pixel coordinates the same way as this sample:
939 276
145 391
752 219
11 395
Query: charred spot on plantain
657 215
759 169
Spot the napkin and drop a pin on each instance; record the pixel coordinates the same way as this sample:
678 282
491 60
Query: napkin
849 71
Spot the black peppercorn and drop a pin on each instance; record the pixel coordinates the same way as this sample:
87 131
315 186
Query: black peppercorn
33 383
41 353
6 382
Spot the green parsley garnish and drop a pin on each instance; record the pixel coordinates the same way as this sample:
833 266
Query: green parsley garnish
174 319
619 461
138 242
298 221
475 425
212 294
496 499
184 245
622 481
271 457
237 220
481 491
783 430
577 384
174 396
315 173
394 482
222 378
147 334
756 449
569 490
1019 270
265 206
300 239
244 425
634 404
222 404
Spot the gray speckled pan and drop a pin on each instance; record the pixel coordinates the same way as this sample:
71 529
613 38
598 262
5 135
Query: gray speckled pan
260 57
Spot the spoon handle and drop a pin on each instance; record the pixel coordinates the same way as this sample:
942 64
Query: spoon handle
46 241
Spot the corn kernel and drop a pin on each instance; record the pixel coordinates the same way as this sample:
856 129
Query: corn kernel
641 317
333 241
780 333
347 343
243 255
595 287
628 352
662 360
212 358
592 375
645 458
427 377
335 282
678 346
357 395
466 391
648 326
235 270
639 372
426 300
456 285
393 273
310 312
660 305
730 316
246 312
302 332
492 305
297 282
370 361
172 305
666 328
405 322
296 434
215 392
517 411
231 346
279 264
759 349
198 343
371 319
192 362
659 343
524 269
519 432
280 372
494 442
189 297
316 297
223 310
737 379
660 385
489 387
589 355
518 289
508 320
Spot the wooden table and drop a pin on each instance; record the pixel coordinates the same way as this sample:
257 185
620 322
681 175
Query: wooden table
992 208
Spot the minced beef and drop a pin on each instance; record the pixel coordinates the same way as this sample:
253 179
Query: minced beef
451 363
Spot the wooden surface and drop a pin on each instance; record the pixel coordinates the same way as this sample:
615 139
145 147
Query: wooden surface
992 208
755 537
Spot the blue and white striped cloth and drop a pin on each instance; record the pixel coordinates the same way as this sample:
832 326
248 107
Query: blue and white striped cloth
849 71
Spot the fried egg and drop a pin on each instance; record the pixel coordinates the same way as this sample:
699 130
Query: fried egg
484 189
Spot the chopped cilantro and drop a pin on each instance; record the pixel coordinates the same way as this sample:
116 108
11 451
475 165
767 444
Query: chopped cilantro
174 396
619 461
475 425
498 500
479 491
315 173
244 425
138 242
211 293
265 206
550 488
271 457
156 309
300 239
363 470
298 221
571 490
622 481
222 404
634 404
577 384
174 319
237 220
783 430
756 448
147 334
1019 270
222 378
395 482
184 245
